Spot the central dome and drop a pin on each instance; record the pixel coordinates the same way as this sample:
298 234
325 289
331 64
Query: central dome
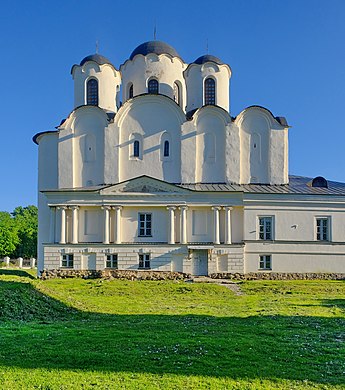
157 47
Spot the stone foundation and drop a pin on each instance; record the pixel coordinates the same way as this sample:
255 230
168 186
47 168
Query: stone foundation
278 276
114 274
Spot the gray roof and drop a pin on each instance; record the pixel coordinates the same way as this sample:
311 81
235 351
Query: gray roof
100 60
297 185
208 58
157 47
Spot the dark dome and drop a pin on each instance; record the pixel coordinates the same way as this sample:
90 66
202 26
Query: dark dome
100 60
319 181
208 58
157 47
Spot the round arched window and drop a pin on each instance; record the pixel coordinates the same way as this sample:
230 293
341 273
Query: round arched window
153 86
210 91
92 92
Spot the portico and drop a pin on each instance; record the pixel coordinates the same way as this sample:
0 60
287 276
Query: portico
177 223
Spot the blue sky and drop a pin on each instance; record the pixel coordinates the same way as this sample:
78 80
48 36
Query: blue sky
288 56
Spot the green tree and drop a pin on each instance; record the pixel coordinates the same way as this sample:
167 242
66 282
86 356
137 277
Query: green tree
8 234
26 221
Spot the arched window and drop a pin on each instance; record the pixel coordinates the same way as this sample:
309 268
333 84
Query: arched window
177 93
92 92
153 86
130 91
136 148
166 152
210 91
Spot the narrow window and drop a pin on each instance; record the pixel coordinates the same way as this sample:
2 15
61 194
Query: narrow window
67 261
92 92
111 261
166 152
153 86
145 225
144 261
136 148
130 91
265 262
210 91
177 93
265 228
322 229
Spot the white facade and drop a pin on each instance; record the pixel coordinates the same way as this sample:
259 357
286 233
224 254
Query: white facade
169 180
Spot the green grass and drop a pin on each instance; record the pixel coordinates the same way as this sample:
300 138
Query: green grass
98 334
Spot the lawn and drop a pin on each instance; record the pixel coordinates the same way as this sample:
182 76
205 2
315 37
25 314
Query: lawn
99 334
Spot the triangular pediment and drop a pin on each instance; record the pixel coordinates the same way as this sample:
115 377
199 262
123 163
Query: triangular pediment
143 185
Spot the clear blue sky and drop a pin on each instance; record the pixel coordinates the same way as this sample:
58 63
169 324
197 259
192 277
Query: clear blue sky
288 56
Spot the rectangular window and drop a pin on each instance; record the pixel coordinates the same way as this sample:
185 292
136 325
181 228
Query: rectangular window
145 225
265 262
322 229
144 261
67 261
265 228
111 261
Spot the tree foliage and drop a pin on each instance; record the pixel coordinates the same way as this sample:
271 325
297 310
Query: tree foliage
8 234
18 232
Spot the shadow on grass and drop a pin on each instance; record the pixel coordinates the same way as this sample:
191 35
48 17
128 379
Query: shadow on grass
16 272
265 347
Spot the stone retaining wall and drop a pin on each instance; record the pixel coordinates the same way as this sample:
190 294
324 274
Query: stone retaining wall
279 276
114 274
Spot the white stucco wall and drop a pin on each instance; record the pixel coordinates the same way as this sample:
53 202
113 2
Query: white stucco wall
165 69
147 118
109 82
196 75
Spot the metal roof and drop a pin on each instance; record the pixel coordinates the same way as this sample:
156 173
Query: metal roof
297 185
157 47
100 60
208 58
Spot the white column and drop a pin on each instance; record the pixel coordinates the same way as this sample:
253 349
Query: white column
228 239
183 224
52 225
63 225
216 224
171 236
75 224
106 224
117 224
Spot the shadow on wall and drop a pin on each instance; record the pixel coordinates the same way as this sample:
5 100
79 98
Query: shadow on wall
254 347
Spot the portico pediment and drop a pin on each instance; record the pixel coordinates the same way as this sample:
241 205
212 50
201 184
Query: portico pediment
142 185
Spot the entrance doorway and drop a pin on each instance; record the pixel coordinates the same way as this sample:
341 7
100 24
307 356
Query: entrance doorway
89 261
200 262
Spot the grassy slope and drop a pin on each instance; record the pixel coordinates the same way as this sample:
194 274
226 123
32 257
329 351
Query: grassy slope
63 334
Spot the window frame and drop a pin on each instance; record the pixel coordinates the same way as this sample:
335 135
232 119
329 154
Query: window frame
144 219
166 149
130 91
89 99
328 228
110 260
69 259
210 96
262 235
136 148
265 260
177 93
144 261
151 91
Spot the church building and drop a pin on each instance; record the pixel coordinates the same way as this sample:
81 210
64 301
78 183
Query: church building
152 170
